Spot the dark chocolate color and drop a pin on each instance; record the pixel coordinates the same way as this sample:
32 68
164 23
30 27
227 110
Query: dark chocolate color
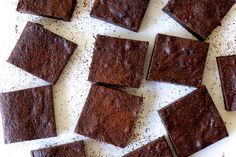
75 149
178 60
125 13
41 52
157 148
57 9
118 61
193 122
227 70
199 17
109 115
28 114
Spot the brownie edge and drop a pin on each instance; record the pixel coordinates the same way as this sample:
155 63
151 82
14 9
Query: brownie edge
57 9
74 149
157 148
227 72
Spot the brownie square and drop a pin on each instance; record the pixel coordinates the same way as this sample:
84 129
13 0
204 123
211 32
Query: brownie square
157 148
109 115
41 52
193 122
57 9
75 149
199 17
118 61
227 70
28 114
127 14
178 60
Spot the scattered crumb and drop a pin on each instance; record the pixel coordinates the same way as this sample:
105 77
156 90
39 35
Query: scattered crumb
16 28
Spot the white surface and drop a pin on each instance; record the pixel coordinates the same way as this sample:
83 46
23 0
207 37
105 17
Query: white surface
71 90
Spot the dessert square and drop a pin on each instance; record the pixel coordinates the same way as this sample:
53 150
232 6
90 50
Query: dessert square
118 61
178 60
199 17
193 122
157 148
41 52
75 149
227 70
28 114
57 9
128 14
109 115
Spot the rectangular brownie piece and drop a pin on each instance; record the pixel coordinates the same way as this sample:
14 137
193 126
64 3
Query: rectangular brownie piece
75 149
109 115
193 122
28 114
118 61
199 17
57 9
41 52
178 60
157 148
128 14
227 70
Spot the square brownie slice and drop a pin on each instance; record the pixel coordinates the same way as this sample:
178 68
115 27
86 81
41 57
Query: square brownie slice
28 114
75 149
157 148
41 52
178 60
57 9
109 115
193 122
199 17
227 70
127 14
118 61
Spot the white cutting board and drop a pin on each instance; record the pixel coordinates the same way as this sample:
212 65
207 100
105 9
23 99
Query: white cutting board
71 90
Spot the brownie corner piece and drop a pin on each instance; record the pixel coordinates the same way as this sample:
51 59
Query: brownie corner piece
57 9
109 115
118 61
157 148
28 114
41 52
178 60
127 14
66 150
199 17
193 122
227 71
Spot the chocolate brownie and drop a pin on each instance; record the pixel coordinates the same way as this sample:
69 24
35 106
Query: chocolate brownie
28 114
157 148
127 14
109 115
193 122
227 70
178 60
199 17
75 149
41 52
58 9
118 61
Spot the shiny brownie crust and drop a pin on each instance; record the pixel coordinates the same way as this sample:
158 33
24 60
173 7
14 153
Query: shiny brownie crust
109 115
193 122
28 114
41 52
